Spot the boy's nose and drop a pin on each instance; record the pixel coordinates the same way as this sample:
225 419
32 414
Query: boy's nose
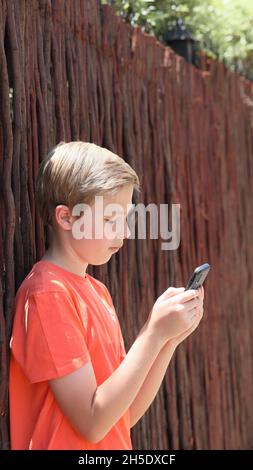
126 232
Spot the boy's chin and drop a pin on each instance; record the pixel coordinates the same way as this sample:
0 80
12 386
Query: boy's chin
105 259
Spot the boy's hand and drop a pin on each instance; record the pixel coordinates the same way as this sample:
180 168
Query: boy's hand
176 313
178 339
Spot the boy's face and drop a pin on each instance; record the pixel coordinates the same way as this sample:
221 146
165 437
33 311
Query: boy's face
94 233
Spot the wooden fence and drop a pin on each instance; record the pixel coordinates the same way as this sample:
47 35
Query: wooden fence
73 70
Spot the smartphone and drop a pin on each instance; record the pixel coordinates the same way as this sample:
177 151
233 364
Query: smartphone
198 276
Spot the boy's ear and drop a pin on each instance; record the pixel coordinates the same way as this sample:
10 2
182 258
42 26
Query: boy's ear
63 217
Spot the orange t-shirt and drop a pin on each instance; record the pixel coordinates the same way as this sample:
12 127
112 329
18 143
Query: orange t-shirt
61 321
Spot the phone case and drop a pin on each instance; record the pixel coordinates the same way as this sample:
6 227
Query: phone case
198 276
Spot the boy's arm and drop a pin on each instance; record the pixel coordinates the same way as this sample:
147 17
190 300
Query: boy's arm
93 410
115 396
157 372
152 383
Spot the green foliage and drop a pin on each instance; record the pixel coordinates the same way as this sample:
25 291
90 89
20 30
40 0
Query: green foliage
223 28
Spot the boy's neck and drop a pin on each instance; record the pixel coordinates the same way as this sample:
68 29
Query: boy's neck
69 262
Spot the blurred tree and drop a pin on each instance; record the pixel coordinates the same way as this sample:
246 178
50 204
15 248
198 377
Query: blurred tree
223 28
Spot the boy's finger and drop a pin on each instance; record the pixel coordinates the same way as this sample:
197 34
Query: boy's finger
192 304
185 296
201 292
171 291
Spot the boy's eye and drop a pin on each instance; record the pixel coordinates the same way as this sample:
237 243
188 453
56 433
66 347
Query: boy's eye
110 221
134 215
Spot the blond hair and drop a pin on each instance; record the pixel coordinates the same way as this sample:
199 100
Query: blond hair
75 172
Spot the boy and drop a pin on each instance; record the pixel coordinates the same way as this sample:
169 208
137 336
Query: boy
72 385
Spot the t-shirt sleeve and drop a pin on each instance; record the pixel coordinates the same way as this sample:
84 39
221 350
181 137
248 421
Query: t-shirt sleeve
55 342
